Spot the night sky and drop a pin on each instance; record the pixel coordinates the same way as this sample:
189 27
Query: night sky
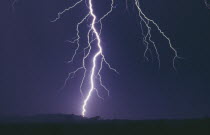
33 58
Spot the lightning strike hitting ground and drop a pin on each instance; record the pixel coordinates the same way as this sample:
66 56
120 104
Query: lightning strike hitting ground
98 58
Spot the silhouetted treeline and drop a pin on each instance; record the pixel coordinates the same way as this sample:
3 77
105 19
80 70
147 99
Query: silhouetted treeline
77 125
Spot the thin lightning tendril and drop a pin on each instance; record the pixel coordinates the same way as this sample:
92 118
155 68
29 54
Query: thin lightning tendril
94 35
147 22
65 10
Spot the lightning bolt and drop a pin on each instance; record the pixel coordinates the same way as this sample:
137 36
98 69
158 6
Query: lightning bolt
98 58
100 52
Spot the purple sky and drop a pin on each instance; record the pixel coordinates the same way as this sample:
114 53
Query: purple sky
33 55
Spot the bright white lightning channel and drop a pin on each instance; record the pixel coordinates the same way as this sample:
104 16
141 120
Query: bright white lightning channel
98 55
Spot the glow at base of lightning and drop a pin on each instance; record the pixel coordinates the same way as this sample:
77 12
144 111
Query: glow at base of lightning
98 56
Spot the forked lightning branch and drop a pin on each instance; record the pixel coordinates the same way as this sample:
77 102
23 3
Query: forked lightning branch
98 59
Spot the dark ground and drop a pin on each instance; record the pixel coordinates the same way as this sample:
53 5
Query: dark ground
76 125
